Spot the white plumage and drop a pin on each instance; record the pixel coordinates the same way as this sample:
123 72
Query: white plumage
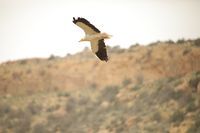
95 37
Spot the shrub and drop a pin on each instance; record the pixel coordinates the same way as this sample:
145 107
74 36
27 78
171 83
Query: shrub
180 41
23 125
169 42
177 82
186 51
63 94
93 85
18 121
136 87
177 117
165 93
52 57
16 75
194 82
39 128
185 99
42 72
109 93
116 49
71 104
197 42
117 124
171 54
134 45
154 43
176 95
83 101
34 108
4 109
53 108
126 81
195 128
157 116
139 78
68 55
191 107
23 62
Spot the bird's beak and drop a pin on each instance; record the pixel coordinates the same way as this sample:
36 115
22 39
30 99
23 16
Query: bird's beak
109 36
80 40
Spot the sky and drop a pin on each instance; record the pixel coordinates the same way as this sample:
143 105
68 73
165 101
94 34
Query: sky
40 28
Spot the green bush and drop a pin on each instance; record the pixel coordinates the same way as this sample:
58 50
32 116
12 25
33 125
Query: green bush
134 45
177 117
186 51
23 62
53 108
34 108
18 121
154 43
40 128
136 87
180 41
197 42
194 82
126 81
4 109
157 116
191 107
109 93
169 42
52 57
176 95
71 104
195 128
63 94
139 78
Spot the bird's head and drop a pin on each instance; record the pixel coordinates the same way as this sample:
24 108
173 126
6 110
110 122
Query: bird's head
106 36
81 40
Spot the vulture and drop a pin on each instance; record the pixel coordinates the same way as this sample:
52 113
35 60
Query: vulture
94 36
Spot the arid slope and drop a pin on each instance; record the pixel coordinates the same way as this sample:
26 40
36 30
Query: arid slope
140 64
143 89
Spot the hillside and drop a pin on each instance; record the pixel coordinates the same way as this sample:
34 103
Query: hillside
142 89
138 64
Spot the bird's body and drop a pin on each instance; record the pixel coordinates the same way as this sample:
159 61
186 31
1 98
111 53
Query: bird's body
95 37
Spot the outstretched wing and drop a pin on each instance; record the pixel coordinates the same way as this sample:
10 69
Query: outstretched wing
85 25
99 48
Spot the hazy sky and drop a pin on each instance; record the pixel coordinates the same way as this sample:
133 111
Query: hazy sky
39 28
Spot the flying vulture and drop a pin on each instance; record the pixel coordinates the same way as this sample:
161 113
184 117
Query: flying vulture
95 37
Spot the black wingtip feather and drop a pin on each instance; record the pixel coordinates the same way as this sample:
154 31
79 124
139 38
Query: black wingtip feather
102 53
83 20
75 20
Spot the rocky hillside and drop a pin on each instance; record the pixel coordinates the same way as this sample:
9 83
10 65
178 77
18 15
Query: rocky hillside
143 89
138 64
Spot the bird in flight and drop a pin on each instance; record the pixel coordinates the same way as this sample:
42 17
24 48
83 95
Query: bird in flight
95 36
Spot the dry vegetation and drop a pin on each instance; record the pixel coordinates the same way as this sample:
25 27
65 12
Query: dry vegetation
143 89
